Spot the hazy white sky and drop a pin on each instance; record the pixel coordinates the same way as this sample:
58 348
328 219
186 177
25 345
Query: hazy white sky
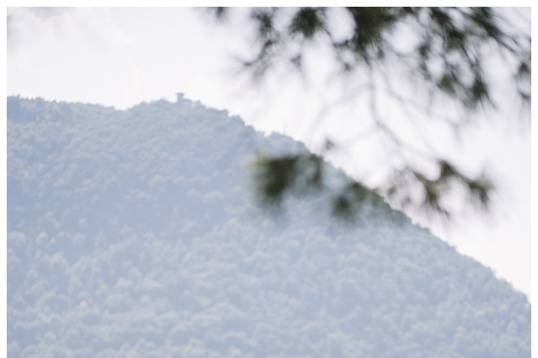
120 57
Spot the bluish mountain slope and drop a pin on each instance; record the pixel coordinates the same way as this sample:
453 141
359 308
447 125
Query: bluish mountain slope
135 233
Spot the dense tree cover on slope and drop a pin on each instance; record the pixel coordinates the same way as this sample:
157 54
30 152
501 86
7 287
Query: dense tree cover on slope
130 233
428 62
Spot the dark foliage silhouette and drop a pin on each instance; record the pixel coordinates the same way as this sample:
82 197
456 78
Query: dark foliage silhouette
446 59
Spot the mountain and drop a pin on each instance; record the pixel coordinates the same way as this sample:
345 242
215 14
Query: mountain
135 233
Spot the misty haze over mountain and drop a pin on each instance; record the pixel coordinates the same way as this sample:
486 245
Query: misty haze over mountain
122 56
136 233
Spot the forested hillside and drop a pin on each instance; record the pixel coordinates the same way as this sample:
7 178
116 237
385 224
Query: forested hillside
136 233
